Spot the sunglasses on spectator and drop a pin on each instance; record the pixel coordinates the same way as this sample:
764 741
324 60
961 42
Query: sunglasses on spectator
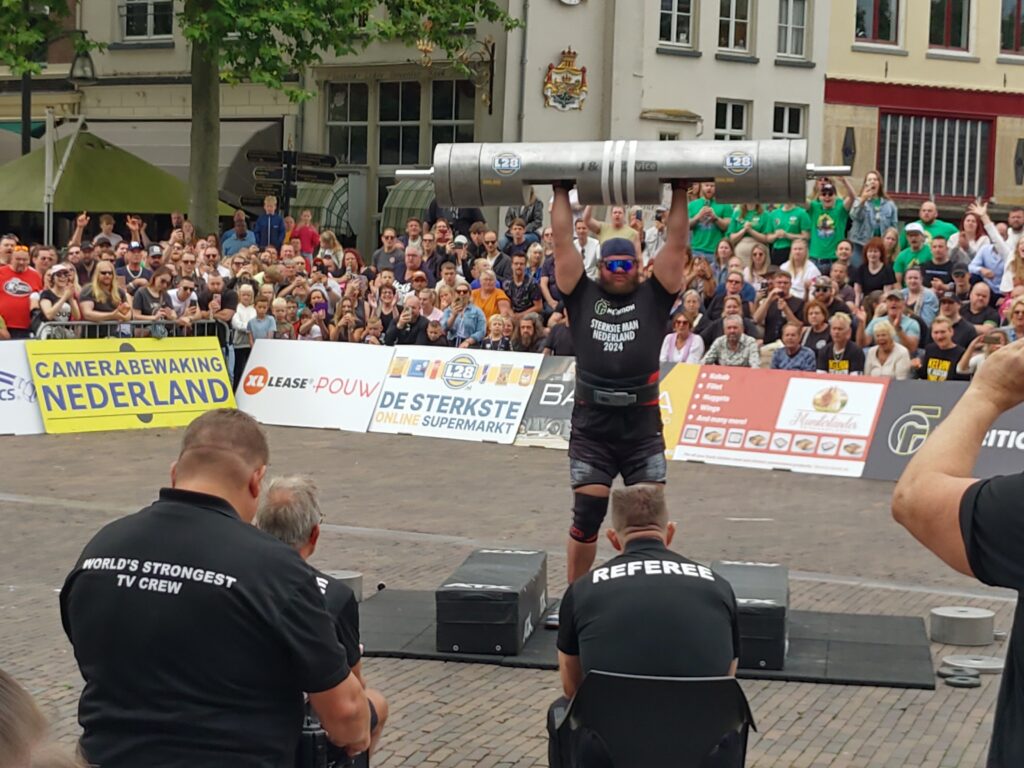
490 242
389 237
821 289
188 261
105 272
186 288
465 290
614 265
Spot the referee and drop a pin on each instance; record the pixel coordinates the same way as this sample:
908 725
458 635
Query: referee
196 634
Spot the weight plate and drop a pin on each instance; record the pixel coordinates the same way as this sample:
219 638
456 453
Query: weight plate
986 665
957 672
999 635
960 681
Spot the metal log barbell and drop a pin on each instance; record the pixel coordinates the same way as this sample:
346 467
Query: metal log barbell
621 172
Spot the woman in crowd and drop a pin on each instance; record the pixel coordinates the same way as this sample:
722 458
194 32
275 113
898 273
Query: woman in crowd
345 325
871 215
445 296
188 234
965 244
886 358
57 303
496 339
723 253
534 261
528 335
757 274
875 274
816 335
692 308
489 297
682 345
747 230
103 301
1015 319
153 303
387 306
329 247
891 238
1013 275
700 279
803 271
973 358
244 312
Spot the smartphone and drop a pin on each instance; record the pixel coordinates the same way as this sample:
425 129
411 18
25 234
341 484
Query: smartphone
639 215
993 338
321 306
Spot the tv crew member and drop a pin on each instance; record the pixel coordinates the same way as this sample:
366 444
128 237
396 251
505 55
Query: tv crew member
289 510
196 633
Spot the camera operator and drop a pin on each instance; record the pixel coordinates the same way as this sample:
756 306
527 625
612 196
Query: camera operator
290 511
196 633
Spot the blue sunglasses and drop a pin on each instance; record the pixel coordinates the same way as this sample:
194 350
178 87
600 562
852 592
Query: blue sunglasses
614 265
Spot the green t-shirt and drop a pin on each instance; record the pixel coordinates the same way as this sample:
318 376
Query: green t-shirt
828 227
705 235
793 221
758 222
908 259
937 227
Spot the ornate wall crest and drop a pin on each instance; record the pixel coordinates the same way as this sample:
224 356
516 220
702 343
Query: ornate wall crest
565 86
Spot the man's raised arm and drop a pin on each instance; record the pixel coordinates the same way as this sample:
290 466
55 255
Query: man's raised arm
568 260
673 258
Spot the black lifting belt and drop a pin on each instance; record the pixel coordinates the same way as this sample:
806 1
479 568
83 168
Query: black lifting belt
614 395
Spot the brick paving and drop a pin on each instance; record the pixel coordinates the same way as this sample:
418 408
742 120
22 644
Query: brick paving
411 524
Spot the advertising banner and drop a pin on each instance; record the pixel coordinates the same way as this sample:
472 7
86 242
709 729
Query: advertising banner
327 386
91 385
19 412
781 420
454 393
913 409
546 423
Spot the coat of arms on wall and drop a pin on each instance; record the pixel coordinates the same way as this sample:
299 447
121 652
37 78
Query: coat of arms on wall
565 86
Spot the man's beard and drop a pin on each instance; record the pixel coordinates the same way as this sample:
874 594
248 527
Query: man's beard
620 289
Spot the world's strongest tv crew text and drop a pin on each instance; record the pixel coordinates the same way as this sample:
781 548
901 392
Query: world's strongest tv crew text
197 634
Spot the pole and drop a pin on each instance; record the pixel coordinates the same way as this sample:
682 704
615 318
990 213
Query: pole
26 99
48 190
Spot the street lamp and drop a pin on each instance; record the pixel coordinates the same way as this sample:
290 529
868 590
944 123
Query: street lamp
83 71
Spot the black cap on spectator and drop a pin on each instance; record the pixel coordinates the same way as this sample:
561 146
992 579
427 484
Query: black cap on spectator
156 250
949 296
134 245
960 270
101 240
87 245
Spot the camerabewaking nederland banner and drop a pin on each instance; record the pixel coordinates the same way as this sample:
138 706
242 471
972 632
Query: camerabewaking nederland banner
329 386
19 412
105 384
456 393
803 422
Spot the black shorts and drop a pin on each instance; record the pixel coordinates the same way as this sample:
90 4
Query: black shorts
598 462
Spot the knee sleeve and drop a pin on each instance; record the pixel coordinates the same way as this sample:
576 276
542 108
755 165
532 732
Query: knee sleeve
587 515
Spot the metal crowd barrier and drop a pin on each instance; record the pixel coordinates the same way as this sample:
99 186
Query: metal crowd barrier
86 329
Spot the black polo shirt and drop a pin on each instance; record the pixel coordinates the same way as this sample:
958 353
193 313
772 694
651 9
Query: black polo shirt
650 611
993 534
196 635
343 607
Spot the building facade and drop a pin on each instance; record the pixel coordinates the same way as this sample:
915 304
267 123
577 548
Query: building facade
932 95
653 69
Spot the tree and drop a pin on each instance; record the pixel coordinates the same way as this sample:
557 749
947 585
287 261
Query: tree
262 42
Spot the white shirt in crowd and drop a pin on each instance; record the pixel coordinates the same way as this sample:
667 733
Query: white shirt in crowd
591 252
691 352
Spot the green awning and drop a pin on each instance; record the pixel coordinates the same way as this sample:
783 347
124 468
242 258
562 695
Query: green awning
329 205
98 177
36 131
409 197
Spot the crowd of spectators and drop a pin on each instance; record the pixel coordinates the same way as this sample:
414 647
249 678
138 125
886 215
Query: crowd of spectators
835 286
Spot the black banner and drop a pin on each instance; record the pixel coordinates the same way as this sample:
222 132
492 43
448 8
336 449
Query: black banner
546 422
913 409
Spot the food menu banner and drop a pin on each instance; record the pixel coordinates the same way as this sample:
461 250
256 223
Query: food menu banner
781 420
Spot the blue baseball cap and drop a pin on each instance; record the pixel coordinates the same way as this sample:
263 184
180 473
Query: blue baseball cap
617 246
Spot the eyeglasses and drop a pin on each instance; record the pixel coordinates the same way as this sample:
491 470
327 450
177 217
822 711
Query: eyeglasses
614 265
733 280
188 261
821 290
462 290
428 239
186 288
389 237
490 242
105 274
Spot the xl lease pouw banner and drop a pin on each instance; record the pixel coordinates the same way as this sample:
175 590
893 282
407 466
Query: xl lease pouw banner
305 384
455 393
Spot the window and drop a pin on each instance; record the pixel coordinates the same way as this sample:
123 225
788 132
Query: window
452 104
731 120
935 156
676 21
347 122
788 121
1012 26
398 112
734 24
144 19
949 22
877 20
664 136
792 27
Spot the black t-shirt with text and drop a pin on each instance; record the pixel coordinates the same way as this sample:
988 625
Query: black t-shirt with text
196 635
993 534
940 364
932 270
849 361
869 283
523 296
617 339
775 319
687 614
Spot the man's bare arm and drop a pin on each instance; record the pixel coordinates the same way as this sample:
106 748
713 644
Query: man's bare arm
571 672
344 714
568 260
670 266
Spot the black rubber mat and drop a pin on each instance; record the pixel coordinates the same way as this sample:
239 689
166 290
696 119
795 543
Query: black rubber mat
837 648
